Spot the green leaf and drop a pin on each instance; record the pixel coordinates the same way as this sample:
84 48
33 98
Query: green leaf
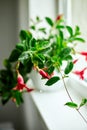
42 30
14 55
40 57
32 27
18 96
70 30
68 68
59 26
71 104
61 34
49 21
37 18
77 30
25 68
83 102
20 46
24 34
24 57
50 69
79 39
5 97
7 64
65 52
52 80
32 43
68 57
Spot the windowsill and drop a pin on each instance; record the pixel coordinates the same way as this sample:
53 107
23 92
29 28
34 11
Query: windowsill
78 85
54 114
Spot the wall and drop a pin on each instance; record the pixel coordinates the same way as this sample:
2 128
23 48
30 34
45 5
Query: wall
9 21
8 28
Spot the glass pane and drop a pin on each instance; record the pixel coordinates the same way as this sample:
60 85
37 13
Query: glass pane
42 8
79 17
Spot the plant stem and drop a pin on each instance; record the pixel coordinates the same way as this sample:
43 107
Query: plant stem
82 116
71 98
66 87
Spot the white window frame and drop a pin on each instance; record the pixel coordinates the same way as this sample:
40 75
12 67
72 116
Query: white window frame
64 7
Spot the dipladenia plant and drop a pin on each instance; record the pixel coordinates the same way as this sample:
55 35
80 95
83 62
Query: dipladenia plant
44 50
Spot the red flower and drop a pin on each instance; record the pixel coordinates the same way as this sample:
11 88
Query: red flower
75 61
80 73
21 85
59 17
84 54
20 79
44 74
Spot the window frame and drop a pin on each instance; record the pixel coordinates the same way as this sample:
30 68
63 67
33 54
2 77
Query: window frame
64 7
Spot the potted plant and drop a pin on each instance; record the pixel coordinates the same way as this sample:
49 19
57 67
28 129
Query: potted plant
45 51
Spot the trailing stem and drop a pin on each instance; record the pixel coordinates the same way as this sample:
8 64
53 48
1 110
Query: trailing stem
71 98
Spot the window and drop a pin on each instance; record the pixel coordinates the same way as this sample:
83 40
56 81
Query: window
42 8
79 17
64 7
75 14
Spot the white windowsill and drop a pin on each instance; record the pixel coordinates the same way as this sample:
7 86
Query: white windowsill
54 114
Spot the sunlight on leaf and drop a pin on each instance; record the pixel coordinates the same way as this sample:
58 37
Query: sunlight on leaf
71 104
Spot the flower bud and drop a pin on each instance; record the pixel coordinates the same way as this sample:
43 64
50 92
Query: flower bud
75 61
20 79
59 17
29 89
14 99
84 54
43 74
